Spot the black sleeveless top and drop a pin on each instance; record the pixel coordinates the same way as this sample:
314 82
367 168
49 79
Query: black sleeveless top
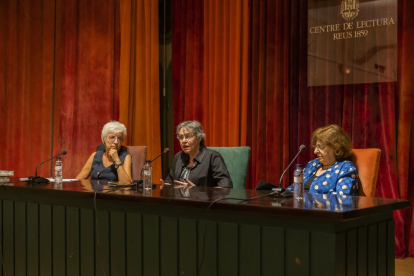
99 172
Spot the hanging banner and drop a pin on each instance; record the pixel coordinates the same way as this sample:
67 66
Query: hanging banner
352 41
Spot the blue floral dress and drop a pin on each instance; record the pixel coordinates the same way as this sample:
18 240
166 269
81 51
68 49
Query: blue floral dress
341 178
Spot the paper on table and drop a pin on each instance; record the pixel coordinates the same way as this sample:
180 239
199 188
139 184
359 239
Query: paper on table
63 180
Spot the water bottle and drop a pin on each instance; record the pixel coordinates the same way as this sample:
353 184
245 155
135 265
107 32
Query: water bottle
298 187
58 170
147 176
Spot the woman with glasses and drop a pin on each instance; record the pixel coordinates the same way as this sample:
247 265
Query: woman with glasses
113 163
196 165
330 173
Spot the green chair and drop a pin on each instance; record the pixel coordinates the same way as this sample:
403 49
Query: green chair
237 162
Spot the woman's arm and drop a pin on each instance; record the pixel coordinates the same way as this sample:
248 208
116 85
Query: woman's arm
220 172
87 168
124 171
170 176
347 182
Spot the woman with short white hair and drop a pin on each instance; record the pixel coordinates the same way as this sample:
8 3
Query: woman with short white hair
113 163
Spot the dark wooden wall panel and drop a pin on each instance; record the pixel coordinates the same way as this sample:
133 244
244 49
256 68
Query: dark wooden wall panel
362 251
322 254
20 238
59 240
151 245
207 248
297 252
102 260
372 249
249 250
8 239
351 253
134 244
87 242
32 239
169 246
187 248
339 255
273 250
72 241
117 241
45 240
228 249
382 249
1 234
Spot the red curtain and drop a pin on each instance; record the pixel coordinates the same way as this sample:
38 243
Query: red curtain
59 81
139 77
282 111
27 47
90 65
210 67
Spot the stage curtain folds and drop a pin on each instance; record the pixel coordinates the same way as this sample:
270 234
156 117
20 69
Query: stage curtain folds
26 85
405 120
89 96
210 59
139 102
269 50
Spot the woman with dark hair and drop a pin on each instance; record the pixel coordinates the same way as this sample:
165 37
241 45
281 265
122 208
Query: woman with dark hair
196 165
330 173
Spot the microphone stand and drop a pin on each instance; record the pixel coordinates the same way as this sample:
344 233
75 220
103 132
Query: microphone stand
280 192
38 179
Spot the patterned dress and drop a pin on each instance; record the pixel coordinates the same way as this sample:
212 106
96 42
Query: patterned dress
341 178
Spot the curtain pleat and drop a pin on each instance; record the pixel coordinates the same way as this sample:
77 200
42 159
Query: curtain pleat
210 57
405 123
26 85
139 104
89 90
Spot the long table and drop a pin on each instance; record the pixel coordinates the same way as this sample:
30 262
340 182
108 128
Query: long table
89 228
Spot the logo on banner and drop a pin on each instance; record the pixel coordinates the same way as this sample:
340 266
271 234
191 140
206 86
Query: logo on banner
349 9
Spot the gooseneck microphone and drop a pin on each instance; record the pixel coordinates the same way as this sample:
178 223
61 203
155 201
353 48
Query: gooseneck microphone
38 179
280 192
163 152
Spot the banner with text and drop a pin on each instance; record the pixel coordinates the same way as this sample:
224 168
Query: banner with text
352 41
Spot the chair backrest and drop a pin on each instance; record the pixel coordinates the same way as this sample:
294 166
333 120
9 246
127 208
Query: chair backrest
367 163
237 162
138 154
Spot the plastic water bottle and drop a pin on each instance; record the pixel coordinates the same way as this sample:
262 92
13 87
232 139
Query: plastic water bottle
147 176
58 170
298 187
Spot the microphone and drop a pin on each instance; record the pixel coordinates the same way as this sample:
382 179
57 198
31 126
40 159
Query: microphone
37 179
140 181
164 151
279 191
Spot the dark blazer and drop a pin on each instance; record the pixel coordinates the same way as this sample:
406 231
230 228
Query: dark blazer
209 170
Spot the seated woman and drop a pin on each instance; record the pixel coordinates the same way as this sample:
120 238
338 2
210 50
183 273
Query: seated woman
330 173
196 164
113 163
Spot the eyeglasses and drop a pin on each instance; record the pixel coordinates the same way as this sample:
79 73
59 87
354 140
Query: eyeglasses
112 139
187 137
319 147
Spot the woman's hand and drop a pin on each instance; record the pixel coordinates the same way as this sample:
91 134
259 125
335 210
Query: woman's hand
163 183
187 184
113 153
